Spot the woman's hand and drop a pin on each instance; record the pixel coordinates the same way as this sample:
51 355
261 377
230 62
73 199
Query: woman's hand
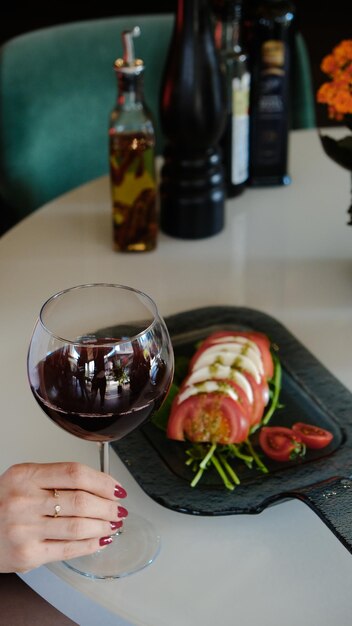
55 511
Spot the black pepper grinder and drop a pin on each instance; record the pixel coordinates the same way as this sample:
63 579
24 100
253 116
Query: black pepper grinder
193 116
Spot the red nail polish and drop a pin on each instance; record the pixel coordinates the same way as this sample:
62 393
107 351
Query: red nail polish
120 492
116 525
104 541
121 511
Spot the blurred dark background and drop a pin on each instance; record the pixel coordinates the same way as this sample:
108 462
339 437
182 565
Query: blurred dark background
323 24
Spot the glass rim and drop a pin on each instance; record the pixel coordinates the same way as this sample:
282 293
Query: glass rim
115 342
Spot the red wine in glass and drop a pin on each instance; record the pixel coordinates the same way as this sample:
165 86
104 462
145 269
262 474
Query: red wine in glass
97 393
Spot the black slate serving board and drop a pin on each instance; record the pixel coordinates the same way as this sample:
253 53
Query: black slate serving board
310 393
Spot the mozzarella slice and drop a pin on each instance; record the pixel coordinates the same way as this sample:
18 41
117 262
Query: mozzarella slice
209 386
226 354
241 362
221 372
238 339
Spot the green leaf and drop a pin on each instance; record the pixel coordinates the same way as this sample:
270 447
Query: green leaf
260 465
276 383
339 150
160 418
181 369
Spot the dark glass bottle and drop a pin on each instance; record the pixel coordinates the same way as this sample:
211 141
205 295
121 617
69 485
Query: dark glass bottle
132 157
271 25
192 115
235 140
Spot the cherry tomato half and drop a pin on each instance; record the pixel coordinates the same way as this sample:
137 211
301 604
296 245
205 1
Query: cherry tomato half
280 443
313 436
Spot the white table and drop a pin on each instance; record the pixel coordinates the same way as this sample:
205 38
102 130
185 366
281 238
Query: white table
285 251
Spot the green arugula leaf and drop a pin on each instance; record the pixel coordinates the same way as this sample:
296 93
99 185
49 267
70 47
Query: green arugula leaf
181 369
160 418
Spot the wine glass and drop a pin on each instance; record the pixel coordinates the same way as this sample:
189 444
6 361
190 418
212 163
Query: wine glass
100 362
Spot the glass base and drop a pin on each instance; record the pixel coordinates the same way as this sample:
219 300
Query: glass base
132 549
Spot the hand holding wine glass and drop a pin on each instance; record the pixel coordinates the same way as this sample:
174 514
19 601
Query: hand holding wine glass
100 363
31 531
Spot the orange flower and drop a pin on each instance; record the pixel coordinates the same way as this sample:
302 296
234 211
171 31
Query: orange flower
329 65
337 94
343 53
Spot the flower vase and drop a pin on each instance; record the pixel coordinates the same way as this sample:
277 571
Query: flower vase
336 94
340 151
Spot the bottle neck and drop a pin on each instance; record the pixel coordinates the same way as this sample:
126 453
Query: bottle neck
190 11
130 89
228 30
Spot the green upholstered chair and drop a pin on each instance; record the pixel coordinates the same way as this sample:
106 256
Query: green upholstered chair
57 88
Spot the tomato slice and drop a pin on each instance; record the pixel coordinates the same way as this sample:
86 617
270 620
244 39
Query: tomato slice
260 398
208 417
261 340
313 436
280 443
247 407
256 393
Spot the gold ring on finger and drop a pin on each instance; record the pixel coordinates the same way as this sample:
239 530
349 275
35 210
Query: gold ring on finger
57 507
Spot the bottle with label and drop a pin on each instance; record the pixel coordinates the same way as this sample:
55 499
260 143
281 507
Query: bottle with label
132 157
192 114
271 32
235 140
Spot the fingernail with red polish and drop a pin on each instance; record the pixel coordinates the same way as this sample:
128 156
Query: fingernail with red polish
121 511
116 525
120 492
104 541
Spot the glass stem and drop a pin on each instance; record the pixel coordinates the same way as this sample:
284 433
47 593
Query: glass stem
104 457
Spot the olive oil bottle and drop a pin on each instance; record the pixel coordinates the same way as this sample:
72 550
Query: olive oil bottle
132 158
